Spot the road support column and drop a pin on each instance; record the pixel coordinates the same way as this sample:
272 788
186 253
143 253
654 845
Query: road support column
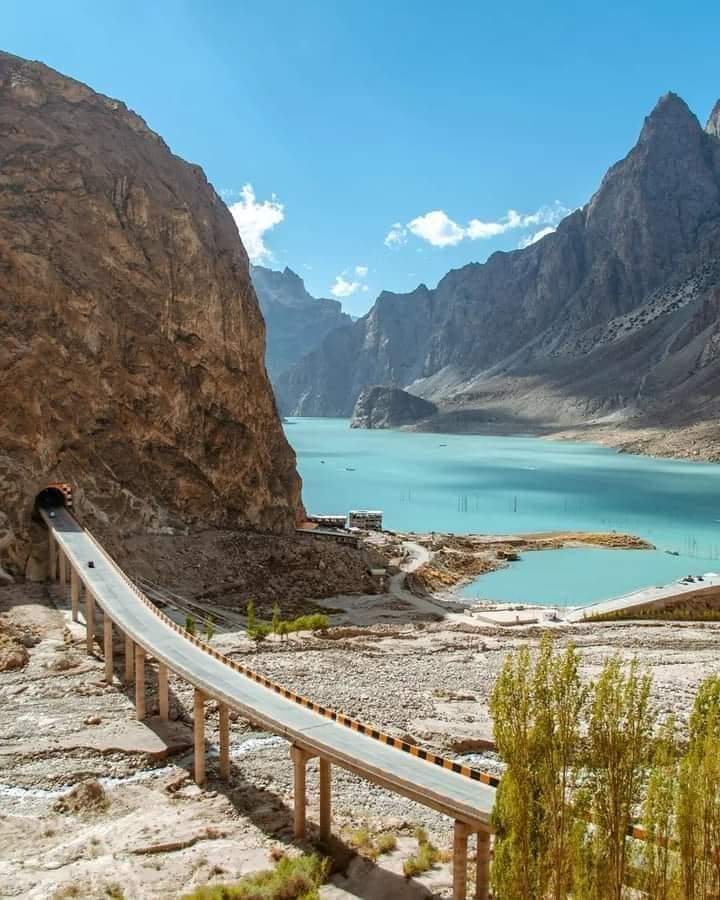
460 840
129 659
53 554
108 647
199 717
89 620
163 698
62 569
224 741
299 758
325 800
139 682
74 593
482 874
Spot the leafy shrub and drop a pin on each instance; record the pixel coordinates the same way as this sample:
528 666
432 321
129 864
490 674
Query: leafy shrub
293 878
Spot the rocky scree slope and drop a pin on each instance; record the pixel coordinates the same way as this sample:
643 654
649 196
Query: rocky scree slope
131 342
615 314
296 322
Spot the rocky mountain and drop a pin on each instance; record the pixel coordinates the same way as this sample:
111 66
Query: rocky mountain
131 342
296 322
388 407
611 317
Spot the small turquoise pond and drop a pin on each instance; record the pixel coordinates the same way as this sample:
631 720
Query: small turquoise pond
579 576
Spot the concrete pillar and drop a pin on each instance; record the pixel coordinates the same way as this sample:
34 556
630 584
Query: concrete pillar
299 758
89 620
325 800
74 593
199 718
108 647
52 546
163 698
139 682
62 569
224 742
460 839
482 874
129 659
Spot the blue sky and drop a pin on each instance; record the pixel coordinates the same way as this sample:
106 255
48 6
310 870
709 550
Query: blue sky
349 118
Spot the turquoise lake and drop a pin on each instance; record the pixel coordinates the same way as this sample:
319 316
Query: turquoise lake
469 483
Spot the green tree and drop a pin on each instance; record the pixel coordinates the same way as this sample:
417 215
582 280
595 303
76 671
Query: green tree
190 625
619 752
209 628
537 713
558 701
259 633
698 803
658 862
276 618
514 870
250 616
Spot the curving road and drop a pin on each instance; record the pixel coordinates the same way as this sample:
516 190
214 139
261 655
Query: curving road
455 795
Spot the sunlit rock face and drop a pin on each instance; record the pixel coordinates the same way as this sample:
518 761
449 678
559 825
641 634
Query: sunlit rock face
131 351
387 407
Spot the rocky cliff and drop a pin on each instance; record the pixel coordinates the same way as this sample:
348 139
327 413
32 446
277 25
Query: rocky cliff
594 320
388 407
131 342
296 322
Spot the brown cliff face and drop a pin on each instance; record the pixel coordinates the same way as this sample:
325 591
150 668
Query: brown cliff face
131 343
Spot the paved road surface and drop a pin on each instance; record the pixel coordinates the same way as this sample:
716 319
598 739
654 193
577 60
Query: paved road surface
430 785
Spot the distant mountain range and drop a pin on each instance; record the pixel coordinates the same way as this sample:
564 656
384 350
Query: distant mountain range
296 321
612 320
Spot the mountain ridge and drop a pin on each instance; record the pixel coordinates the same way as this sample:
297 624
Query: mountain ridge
295 319
521 330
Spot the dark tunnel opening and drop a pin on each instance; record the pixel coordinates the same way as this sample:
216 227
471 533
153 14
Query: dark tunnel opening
54 496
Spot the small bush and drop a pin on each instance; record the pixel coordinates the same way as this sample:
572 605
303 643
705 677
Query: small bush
426 857
386 843
296 878
190 626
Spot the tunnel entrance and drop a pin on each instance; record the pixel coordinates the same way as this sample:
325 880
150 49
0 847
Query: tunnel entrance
54 496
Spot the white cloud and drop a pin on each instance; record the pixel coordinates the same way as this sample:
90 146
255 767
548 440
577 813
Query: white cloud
397 236
345 288
534 238
253 219
439 230
346 285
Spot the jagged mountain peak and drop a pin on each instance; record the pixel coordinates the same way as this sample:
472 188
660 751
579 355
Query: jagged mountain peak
713 122
671 113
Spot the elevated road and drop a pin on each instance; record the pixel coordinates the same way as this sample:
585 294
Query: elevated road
426 778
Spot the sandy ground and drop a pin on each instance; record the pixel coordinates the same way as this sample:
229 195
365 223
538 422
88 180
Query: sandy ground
414 666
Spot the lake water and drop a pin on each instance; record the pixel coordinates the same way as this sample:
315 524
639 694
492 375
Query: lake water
469 483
